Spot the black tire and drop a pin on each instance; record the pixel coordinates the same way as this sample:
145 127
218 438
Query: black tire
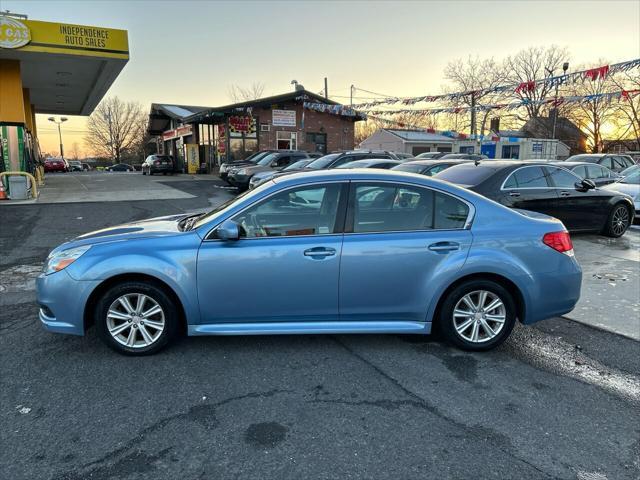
157 294
143 172
616 225
445 320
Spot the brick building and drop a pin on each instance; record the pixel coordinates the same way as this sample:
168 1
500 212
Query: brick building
235 131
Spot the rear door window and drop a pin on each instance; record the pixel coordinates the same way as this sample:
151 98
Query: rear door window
582 171
607 162
394 207
527 177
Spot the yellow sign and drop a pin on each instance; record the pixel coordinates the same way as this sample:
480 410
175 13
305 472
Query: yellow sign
66 38
193 158
13 33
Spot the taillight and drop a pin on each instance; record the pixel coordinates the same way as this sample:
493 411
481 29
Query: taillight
559 241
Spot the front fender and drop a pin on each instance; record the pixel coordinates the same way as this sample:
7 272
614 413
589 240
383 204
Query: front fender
171 260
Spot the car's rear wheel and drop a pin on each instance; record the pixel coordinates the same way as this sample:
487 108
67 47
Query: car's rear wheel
136 318
477 315
618 221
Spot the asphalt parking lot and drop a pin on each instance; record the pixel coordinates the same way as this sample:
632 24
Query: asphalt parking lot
558 400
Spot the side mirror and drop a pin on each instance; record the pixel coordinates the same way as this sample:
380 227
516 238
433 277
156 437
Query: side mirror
585 185
228 230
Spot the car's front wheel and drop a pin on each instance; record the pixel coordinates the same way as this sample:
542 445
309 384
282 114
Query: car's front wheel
136 318
618 221
477 315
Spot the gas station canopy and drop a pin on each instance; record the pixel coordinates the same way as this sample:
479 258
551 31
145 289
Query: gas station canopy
66 68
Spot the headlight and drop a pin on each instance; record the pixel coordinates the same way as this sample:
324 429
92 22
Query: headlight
241 171
223 168
63 259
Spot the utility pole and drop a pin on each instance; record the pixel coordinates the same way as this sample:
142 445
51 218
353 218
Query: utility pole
351 102
473 113
565 67
326 89
59 122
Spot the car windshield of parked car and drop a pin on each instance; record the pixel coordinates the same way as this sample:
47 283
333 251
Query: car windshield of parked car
628 171
633 178
266 160
584 158
308 210
322 162
468 174
256 157
409 167
297 165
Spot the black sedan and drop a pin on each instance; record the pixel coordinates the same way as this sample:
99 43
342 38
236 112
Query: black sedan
428 167
598 174
120 167
547 189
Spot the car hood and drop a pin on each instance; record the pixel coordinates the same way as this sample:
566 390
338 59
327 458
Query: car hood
153 227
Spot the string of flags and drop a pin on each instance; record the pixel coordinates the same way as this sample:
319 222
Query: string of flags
517 88
347 111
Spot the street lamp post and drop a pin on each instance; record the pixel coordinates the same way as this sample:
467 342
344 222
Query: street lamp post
565 67
59 122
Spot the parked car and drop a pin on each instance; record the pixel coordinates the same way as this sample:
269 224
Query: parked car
547 189
252 159
598 174
405 254
428 167
75 166
630 185
614 162
55 165
262 177
403 156
86 167
430 155
120 167
240 176
463 156
384 164
157 164
334 160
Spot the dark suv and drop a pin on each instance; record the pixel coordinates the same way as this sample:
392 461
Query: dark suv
241 175
334 160
157 164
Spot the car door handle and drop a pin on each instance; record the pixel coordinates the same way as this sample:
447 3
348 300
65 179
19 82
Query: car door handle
514 194
444 246
319 252
564 193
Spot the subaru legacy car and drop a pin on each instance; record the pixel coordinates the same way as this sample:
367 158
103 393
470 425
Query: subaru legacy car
342 251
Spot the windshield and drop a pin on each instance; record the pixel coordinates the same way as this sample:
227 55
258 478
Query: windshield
466 174
322 162
408 167
633 178
297 165
264 161
256 157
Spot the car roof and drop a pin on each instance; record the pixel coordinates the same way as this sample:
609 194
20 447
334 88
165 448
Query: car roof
570 164
437 161
374 161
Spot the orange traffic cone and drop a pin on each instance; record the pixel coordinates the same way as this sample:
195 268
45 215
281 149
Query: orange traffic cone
3 194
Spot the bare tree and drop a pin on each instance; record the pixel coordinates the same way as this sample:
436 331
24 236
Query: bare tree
535 63
473 75
75 151
114 127
244 94
591 114
627 118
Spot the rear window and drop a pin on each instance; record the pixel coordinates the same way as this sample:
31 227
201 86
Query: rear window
468 174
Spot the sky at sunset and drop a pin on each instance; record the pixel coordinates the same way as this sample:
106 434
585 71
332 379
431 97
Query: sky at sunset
190 53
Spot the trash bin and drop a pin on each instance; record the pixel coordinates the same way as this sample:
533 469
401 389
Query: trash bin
19 187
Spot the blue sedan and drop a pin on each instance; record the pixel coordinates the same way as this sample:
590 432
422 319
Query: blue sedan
336 251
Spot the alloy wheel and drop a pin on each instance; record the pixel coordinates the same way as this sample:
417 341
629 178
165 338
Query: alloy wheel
479 316
620 221
135 320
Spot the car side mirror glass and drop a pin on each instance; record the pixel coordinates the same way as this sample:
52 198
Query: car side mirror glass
228 230
585 184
